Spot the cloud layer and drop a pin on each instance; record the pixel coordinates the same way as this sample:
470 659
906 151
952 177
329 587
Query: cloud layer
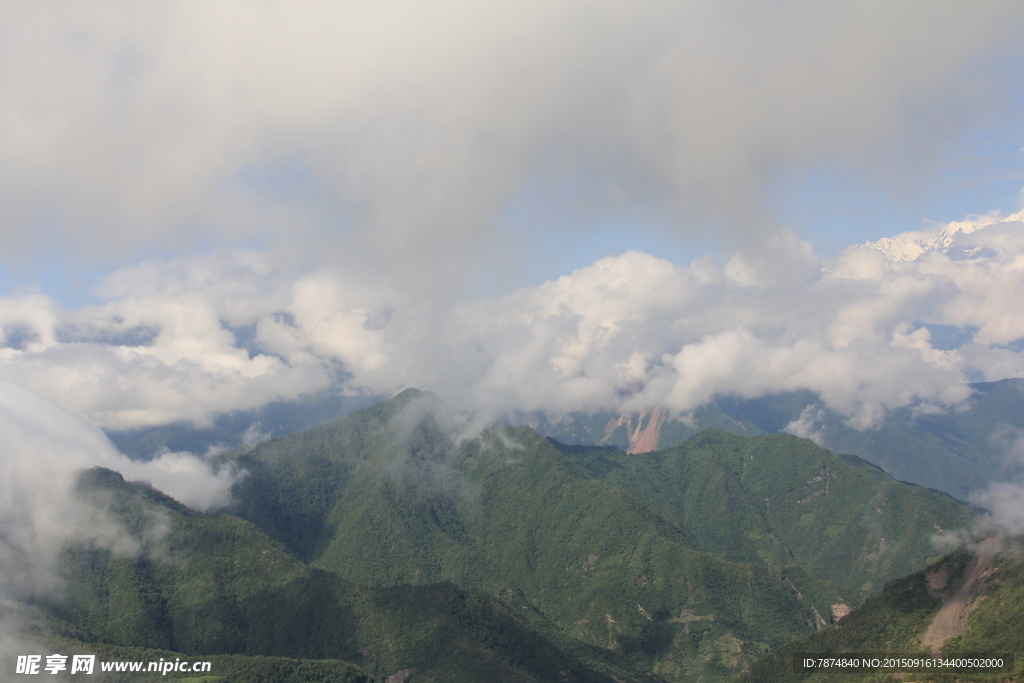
374 158
187 338
394 137
45 448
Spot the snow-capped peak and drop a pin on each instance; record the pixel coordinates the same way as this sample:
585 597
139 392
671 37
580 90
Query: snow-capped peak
909 246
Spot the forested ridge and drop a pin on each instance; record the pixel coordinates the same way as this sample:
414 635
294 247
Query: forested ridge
394 540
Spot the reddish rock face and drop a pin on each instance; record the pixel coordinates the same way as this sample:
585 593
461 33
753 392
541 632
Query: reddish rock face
646 440
642 439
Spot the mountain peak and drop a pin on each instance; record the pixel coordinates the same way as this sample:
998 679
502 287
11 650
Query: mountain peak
412 394
909 246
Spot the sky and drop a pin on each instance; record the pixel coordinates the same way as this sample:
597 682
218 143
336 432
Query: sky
206 207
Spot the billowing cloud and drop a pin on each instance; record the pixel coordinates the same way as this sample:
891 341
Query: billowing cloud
169 346
351 166
45 447
392 137
185 339
1002 501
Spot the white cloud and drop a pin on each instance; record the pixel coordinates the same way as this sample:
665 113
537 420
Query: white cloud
185 477
374 149
162 349
234 330
252 436
45 447
804 426
391 136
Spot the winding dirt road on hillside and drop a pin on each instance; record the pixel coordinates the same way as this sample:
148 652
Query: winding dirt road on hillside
951 619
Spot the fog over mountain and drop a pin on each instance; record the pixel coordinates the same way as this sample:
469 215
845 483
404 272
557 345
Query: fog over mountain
45 448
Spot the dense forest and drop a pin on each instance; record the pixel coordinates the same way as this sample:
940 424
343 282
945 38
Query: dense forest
394 542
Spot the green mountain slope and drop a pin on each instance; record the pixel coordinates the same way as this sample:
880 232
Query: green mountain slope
401 537
388 496
780 499
988 592
215 584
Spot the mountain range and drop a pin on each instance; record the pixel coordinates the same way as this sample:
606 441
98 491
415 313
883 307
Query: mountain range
399 542
960 451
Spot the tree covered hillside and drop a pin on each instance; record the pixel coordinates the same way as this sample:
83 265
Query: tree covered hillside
968 602
217 585
779 499
406 539
392 495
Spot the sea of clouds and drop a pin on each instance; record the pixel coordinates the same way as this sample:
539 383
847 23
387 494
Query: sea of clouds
185 339
319 185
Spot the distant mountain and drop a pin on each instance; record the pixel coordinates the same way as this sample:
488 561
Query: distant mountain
951 238
958 451
967 602
241 428
642 432
779 499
